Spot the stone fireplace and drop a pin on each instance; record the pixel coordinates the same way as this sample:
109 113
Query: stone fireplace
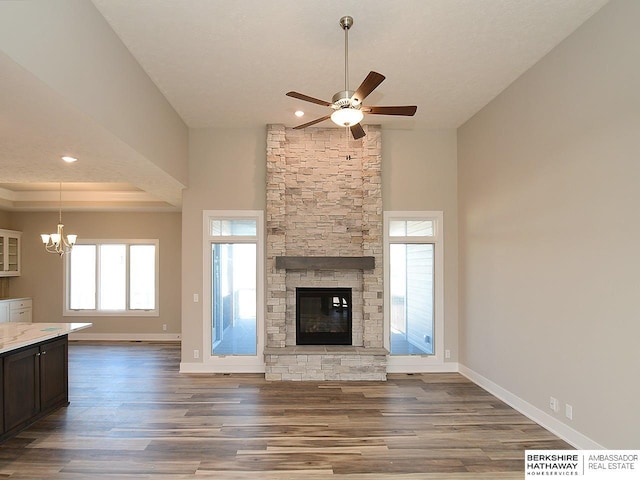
324 231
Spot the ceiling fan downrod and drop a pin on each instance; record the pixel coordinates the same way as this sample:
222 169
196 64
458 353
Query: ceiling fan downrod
346 22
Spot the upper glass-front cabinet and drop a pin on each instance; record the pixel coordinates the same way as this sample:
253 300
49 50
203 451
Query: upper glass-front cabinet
10 253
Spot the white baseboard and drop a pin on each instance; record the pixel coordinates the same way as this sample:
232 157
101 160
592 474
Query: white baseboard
127 337
555 426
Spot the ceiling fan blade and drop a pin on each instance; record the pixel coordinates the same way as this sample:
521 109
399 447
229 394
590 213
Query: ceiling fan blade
313 122
357 131
368 85
307 98
407 111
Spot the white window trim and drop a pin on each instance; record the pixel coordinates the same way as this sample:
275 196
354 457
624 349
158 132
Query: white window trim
67 312
232 363
416 363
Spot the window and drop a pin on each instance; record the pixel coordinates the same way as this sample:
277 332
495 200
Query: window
233 282
112 277
413 284
233 297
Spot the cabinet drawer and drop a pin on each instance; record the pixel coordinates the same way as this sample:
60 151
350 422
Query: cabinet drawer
20 315
18 304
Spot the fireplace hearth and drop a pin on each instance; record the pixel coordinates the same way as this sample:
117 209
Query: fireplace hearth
323 316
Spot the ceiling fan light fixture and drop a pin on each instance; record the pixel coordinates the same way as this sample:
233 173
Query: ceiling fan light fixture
347 117
348 110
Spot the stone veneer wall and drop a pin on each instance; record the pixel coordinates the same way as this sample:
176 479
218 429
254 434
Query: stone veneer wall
319 203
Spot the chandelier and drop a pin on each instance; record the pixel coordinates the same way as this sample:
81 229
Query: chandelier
57 242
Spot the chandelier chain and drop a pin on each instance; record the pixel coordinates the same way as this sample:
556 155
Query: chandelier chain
58 242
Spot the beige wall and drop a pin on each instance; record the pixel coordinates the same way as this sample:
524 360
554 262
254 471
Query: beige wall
419 172
42 272
5 220
549 231
227 170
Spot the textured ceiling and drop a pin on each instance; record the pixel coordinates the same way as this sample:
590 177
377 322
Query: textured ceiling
229 63
36 127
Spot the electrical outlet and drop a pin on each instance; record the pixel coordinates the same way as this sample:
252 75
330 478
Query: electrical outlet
196 298
164 327
447 354
553 404
196 354
568 411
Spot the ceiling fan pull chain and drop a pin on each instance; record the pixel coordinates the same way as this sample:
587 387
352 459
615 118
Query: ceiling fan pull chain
346 143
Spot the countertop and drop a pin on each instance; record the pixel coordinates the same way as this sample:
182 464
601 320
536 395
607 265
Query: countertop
17 335
13 299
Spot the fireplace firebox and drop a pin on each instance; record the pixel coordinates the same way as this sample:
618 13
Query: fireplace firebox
323 316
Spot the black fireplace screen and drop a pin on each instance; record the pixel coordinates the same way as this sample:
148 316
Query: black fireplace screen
323 316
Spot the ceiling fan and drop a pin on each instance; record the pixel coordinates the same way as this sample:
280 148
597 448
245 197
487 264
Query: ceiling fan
348 110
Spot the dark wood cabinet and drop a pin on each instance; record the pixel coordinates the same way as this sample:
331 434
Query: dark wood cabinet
21 387
54 385
34 382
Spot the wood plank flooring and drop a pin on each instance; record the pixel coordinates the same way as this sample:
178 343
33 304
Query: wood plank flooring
133 416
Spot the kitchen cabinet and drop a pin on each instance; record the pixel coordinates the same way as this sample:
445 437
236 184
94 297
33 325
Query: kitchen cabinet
4 311
54 385
20 310
34 383
33 372
16 310
10 253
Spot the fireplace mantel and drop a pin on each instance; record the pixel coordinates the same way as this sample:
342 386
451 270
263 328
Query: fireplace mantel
325 263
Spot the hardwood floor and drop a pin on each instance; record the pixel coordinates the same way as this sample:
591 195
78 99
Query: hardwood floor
132 415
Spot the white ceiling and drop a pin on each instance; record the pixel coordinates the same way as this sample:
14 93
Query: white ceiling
229 63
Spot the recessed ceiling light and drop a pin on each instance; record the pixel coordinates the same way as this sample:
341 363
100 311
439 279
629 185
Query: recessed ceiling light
299 113
69 159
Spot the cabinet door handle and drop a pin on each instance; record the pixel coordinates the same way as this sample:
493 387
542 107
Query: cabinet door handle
44 353
38 354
